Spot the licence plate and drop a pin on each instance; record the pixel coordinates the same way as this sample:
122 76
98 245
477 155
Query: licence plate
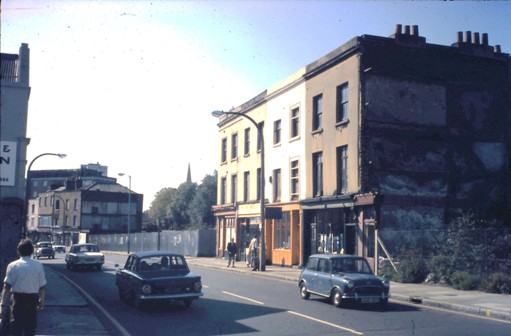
370 300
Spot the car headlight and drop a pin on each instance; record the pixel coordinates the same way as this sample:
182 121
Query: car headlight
349 283
146 289
385 283
197 286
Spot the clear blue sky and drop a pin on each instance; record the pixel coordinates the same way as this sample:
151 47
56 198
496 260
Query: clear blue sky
131 84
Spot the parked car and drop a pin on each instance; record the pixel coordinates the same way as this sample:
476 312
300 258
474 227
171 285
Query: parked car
84 256
44 249
59 248
342 279
157 276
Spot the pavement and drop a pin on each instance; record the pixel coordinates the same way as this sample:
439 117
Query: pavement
68 312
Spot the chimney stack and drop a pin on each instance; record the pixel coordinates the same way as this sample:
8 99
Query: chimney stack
468 36
415 30
485 39
407 30
476 38
399 29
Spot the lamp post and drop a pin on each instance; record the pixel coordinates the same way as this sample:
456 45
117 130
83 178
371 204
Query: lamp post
259 127
129 210
27 196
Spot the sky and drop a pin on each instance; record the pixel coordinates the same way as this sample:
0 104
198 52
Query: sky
131 84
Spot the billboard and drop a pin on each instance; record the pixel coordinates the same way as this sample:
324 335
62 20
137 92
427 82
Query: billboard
7 163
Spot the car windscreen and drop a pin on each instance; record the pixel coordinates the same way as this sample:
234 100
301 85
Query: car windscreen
162 262
84 248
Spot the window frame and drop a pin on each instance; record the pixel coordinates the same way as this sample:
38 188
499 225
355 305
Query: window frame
234 146
294 179
317 112
246 149
277 132
317 174
294 122
341 103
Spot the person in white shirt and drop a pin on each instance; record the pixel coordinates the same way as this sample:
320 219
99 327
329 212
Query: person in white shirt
25 283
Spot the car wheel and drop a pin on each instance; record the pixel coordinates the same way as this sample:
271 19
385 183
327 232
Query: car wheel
98 267
187 303
121 295
384 304
137 303
304 293
337 298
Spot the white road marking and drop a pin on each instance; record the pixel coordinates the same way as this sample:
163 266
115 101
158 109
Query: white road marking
326 323
243 297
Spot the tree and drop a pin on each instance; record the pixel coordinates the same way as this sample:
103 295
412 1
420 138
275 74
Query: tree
160 208
199 211
188 206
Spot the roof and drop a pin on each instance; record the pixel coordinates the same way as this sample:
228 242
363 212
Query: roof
145 254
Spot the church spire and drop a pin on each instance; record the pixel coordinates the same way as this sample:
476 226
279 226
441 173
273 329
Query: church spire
189 175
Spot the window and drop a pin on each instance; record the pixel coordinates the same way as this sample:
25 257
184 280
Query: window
74 221
282 236
341 103
276 185
317 112
75 206
246 186
33 208
234 187
295 123
342 169
317 174
246 150
259 139
276 132
295 187
234 146
57 204
223 189
258 184
224 150
67 204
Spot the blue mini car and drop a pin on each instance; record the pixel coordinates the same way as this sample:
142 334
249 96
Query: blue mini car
343 279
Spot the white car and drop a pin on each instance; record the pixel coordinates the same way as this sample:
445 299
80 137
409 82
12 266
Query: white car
84 256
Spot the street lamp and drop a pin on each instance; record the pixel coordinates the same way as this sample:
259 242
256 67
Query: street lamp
259 127
129 210
27 196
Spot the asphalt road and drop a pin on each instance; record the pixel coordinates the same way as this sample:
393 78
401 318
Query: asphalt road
236 304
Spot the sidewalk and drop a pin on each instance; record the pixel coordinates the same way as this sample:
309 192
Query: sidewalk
68 313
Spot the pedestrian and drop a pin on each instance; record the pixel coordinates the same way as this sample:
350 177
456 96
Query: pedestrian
247 253
25 286
253 251
232 249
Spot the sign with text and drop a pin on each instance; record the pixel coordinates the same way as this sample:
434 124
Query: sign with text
7 163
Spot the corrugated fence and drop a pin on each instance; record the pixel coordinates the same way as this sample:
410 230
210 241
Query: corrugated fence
198 243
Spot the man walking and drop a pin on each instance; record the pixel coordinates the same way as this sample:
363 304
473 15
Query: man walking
26 284
232 249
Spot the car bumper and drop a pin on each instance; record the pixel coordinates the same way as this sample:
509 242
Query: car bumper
366 298
171 296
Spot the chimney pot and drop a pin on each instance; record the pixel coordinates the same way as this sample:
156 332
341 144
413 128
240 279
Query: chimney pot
485 39
407 30
496 49
460 37
468 36
415 30
399 29
476 38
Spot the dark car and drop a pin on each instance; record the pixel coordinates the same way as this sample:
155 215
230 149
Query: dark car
343 279
44 249
157 276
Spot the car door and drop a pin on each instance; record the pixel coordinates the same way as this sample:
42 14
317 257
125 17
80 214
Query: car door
324 277
310 274
124 275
